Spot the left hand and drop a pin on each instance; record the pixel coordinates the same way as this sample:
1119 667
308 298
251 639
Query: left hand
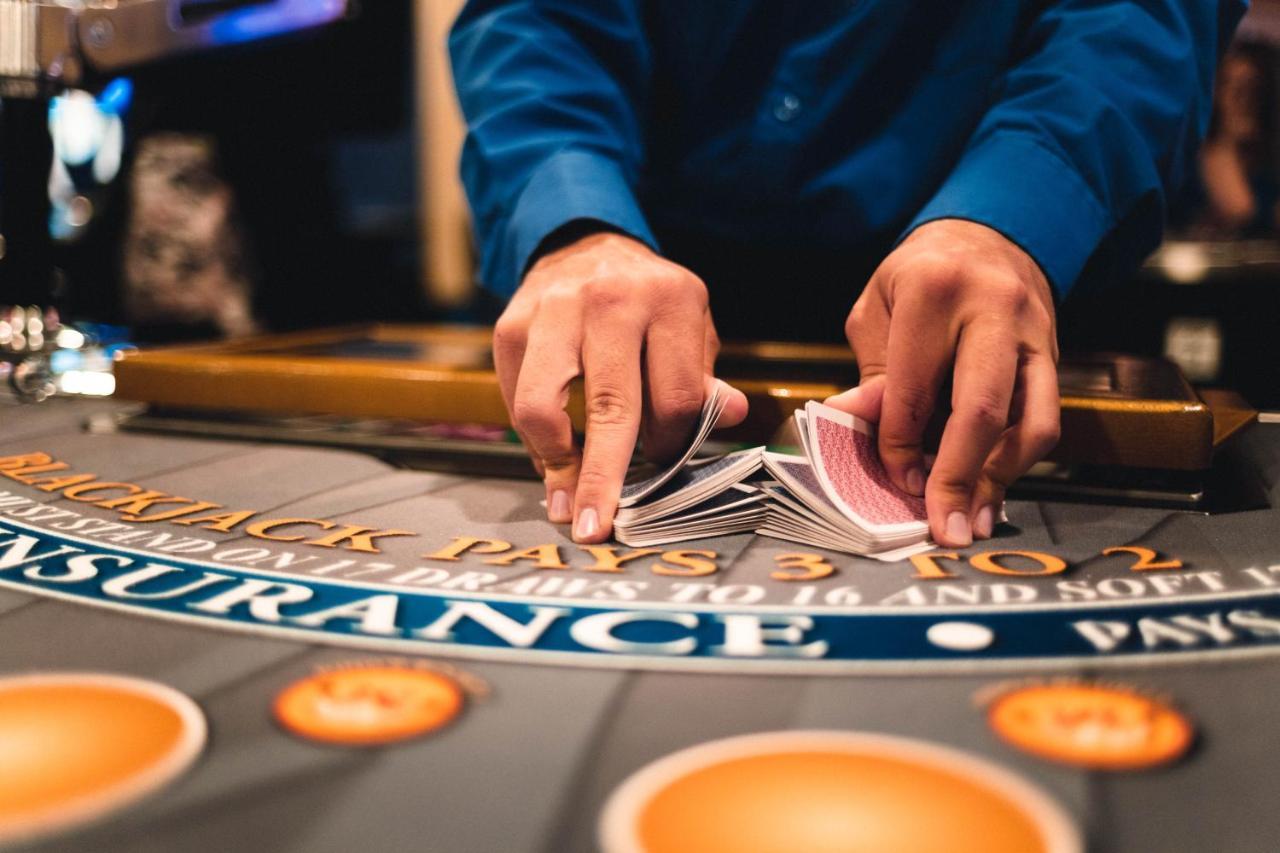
957 296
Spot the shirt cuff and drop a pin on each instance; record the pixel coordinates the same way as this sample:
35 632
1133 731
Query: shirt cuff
570 186
1013 184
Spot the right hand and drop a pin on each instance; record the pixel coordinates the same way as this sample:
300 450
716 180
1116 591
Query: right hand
638 328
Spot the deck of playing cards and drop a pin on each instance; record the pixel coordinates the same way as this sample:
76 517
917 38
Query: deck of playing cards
836 496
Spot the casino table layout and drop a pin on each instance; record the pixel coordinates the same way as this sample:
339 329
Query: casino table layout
226 645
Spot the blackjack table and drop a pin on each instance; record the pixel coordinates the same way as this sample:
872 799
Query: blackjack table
212 644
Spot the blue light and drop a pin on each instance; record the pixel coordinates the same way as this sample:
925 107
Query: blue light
284 16
116 97
60 361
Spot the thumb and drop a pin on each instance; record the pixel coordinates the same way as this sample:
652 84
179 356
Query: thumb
735 407
862 401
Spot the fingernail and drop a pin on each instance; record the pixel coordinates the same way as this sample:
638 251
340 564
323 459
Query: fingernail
984 522
588 524
560 509
958 530
915 482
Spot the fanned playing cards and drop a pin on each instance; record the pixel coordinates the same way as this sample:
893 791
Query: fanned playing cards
837 495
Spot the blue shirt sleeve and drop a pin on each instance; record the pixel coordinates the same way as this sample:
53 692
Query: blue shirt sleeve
552 91
1094 124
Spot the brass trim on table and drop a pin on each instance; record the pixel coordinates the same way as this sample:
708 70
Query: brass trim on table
1116 426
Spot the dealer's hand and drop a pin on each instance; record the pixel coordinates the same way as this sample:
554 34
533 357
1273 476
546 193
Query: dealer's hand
957 296
638 328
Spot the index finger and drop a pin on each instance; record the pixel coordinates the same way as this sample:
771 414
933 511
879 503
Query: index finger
542 390
673 359
986 366
919 353
510 338
611 362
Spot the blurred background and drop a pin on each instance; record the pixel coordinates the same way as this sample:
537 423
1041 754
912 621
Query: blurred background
312 182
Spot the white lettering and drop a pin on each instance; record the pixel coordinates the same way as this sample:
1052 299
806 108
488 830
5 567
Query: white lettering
519 634
1255 622
420 576
596 632
1154 633
123 586
739 593
375 614
684 592
40 512
263 597
1105 636
748 635
81 567
19 551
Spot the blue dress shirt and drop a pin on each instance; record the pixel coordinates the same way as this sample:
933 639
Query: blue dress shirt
834 123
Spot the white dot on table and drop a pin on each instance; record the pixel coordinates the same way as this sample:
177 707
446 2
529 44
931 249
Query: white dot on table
960 636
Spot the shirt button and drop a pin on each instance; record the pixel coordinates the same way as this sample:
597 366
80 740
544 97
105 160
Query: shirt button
787 108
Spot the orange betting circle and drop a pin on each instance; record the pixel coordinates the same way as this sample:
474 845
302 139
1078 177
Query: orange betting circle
76 746
1100 727
830 791
369 705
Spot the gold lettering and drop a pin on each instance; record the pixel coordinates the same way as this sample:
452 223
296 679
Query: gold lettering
136 504
692 566
357 538
985 561
544 557
811 567
53 484
74 493
464 544
1148 560
24 460
222 522
259 528
22 475
608 560
927 567
168 515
